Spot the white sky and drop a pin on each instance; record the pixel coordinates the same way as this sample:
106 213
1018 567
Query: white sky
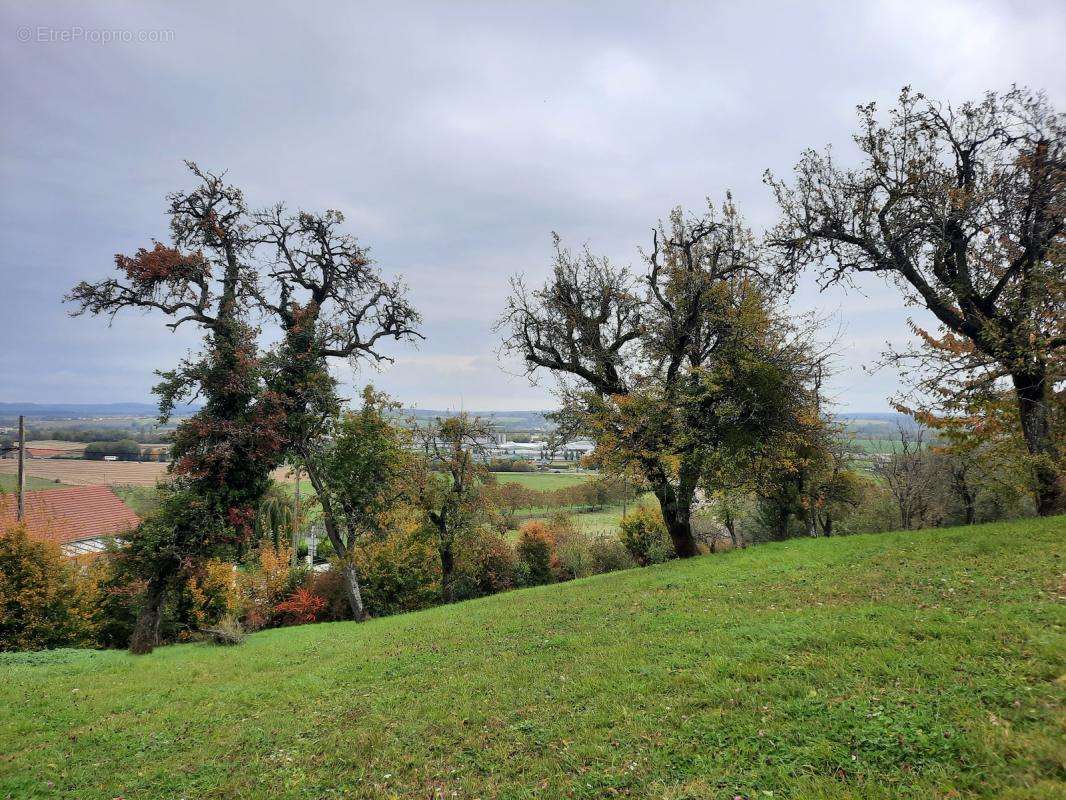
455 138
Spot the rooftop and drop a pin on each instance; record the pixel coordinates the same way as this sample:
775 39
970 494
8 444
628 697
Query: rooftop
70 514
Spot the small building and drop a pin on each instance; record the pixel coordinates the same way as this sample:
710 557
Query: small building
575 451
80 519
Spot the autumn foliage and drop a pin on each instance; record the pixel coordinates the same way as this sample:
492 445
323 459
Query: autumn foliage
301 607
43 601
536 552
147 268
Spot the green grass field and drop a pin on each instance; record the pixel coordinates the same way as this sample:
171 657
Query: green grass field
142 499
875 445
594 523
544 481
926 664
9 483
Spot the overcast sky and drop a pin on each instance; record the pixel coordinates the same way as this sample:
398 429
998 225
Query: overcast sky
455 138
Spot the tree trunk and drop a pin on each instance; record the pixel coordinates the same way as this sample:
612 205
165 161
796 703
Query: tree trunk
329 518
677 516
732 528
1031 391
145 635
447 572
676 504
970 507
782 517
355 594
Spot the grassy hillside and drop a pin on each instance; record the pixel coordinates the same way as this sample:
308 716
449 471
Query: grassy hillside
921 665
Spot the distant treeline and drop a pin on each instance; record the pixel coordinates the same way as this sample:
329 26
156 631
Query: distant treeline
123 450
147 434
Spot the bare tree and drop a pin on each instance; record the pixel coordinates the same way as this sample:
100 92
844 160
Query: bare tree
964 209
908 473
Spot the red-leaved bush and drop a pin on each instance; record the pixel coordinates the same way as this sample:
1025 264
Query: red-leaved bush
301 607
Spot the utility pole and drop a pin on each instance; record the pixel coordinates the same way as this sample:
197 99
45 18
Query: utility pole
22 468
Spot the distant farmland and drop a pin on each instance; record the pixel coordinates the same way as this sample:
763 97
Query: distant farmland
87 473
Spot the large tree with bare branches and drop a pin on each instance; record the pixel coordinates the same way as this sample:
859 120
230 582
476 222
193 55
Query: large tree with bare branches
224 264
665 367
964 210
201 278
330 301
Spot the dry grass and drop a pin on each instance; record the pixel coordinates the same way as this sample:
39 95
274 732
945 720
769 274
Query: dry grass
88 473
111 473
56 444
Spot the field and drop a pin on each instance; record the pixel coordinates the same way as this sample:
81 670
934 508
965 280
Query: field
922 665
9 482
86 473
544 481
142 499
57 444
876 445
595 523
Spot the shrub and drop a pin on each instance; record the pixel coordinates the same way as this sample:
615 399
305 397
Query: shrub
207 596
573 558
486 565
609 555
329 585
44 603
118 601
227 631
301 607
510 465
561 526
644 535
398 573
266 582
535 553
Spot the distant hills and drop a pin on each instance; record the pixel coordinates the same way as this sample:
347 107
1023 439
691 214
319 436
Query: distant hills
864 423
56 411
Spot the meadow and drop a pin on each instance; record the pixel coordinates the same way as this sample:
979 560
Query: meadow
544 481
923 664
9 482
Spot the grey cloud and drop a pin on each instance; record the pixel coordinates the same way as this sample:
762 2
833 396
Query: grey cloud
455 137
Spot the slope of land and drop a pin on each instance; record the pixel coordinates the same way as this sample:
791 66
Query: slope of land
925 664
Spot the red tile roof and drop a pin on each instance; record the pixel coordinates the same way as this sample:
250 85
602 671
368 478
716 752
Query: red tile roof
70 514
